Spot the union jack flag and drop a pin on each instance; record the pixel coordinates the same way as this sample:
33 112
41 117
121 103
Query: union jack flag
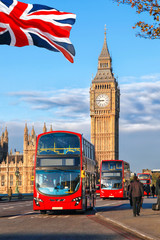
24 24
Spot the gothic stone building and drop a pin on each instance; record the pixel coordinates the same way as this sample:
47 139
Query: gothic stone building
13 162
104 109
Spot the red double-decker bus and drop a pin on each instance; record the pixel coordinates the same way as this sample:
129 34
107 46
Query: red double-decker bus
114 179
64 172
146 179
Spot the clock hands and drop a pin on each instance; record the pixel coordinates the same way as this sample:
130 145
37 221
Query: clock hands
102 100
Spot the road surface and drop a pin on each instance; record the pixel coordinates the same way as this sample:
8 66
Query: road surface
18 221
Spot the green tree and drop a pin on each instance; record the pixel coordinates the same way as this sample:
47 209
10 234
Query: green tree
155 177
152 7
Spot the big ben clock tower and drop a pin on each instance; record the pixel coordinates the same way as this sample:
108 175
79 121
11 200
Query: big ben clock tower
104 109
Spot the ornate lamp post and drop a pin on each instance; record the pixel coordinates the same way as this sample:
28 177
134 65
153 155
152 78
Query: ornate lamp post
17 178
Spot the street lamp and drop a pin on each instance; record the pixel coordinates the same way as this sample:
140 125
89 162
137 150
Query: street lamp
17 177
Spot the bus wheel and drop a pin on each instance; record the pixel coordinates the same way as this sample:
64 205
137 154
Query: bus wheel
43 211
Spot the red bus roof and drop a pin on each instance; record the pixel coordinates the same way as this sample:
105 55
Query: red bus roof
59 131
112 161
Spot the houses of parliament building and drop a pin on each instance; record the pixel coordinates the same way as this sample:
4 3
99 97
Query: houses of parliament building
104 113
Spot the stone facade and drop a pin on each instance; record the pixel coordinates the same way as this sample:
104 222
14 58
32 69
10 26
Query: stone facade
104 109
11 163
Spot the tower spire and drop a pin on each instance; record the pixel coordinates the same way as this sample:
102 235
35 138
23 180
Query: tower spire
104 53
26 129
104 63
51 128
44 128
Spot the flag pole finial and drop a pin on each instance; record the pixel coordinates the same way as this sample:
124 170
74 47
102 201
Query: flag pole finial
105 29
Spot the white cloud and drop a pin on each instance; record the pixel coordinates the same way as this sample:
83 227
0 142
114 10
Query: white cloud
140 106
145 78
69 109
74 100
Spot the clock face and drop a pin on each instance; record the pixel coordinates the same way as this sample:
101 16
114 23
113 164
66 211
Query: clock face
102 100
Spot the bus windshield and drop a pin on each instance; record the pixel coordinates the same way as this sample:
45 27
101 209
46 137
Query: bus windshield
58 144
144 176
57 182
111 183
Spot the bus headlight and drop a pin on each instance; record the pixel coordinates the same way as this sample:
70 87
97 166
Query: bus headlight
37 200
77 200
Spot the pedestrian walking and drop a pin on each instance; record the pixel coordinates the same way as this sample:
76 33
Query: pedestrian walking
158 191
136 192
143 193
10 193
153 190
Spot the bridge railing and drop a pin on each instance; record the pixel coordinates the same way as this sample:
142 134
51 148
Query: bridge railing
17 196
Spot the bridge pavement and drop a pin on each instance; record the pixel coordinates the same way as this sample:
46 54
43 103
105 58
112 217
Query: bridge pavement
119 213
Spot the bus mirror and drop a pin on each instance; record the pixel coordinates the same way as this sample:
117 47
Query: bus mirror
82 174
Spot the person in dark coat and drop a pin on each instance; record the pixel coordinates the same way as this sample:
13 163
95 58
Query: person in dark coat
153 190
136 191
158 191
143 193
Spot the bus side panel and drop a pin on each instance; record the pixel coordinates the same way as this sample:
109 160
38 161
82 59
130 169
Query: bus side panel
83 195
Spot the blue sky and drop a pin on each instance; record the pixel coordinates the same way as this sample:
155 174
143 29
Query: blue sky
40 86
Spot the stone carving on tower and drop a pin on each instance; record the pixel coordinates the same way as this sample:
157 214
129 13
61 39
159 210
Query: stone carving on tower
104 109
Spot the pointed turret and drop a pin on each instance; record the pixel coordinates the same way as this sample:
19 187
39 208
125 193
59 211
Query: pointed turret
51 128
2 139
25 137
104 72
6 141
104 53
44 128
6 135
32 132
26 129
